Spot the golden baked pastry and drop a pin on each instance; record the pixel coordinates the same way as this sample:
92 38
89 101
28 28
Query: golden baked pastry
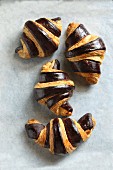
61 136
54 89
40 38
85 52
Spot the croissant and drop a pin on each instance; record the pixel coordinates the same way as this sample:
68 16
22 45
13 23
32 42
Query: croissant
54 89
61 136
40 38
85 52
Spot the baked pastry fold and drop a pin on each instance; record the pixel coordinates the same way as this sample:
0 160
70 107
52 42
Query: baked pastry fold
85 52
40 38
54 89
61 136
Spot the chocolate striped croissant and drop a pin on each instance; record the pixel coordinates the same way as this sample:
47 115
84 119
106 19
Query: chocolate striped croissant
85 52
54 89
61 136
40 38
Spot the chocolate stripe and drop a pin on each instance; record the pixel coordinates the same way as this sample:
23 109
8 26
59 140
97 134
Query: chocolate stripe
41 93
58 143
73 135
46 43
56 65
33 130
33 51
97 44
86 122
49 26
52 101
79 33
67 107
47 145
86 66
53 76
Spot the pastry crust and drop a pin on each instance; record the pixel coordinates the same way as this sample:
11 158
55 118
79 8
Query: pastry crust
40 38
28 34
51 138
56 108
68 146
56 83
64 134
71 27
55 90
42 137
85 51
98 55
92 78
83 41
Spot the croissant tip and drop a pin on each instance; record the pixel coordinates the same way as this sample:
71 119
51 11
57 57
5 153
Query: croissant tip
92 81
73 23
56 19
69 114
18 49
87 122
94 122
31 121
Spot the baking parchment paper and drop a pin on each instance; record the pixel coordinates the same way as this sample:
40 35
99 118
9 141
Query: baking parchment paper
18 77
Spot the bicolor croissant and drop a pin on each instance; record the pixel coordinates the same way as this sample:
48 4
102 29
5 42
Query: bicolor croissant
40 38
54 89
85 52
61 136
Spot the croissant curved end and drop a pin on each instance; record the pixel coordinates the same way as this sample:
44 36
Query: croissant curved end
22 51
89 132
18 49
